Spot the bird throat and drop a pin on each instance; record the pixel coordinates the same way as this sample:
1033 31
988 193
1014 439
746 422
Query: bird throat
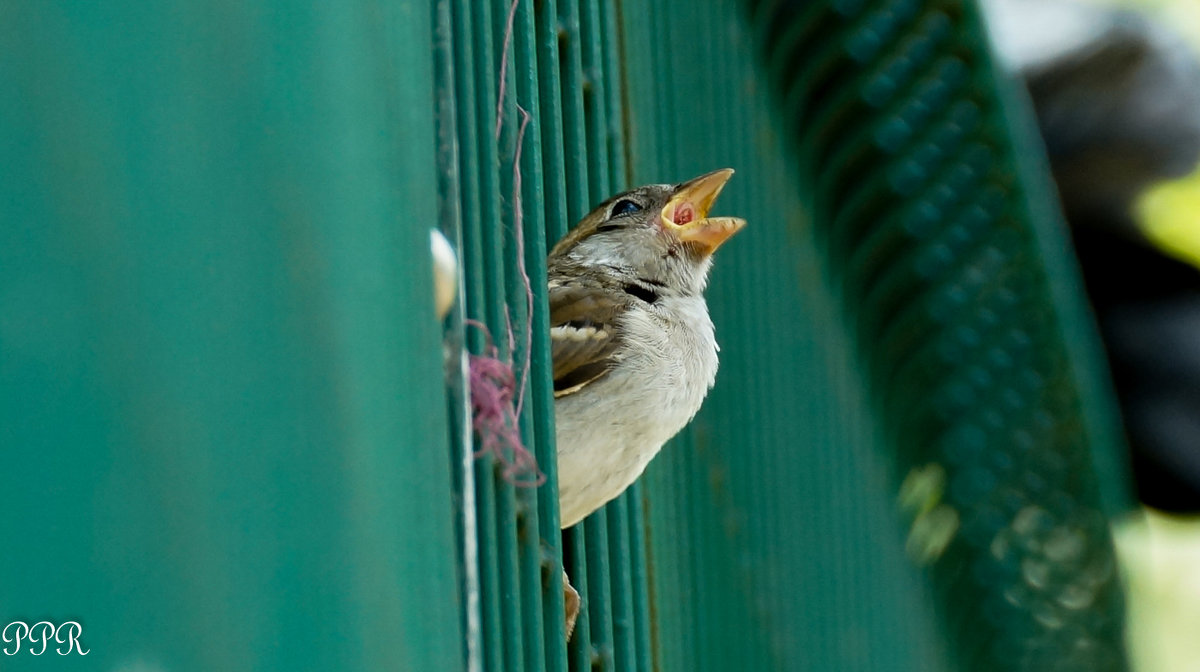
684 214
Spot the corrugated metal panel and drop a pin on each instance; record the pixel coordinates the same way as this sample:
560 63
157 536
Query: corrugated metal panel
561 69
517 539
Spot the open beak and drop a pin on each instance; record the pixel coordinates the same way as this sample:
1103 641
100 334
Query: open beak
686 214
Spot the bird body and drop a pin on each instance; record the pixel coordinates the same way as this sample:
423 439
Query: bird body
633 346
607 437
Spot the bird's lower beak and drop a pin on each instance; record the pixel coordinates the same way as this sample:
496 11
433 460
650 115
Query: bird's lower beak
686 214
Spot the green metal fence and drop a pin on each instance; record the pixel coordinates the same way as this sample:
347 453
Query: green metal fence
936 220
232 439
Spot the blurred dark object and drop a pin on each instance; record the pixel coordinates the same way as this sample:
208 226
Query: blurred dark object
1118 102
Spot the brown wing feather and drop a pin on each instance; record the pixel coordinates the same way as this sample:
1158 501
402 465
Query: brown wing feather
583 336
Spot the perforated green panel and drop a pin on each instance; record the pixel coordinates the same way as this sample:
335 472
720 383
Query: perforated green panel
932 211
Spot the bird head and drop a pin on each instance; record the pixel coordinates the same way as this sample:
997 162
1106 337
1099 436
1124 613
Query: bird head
660 233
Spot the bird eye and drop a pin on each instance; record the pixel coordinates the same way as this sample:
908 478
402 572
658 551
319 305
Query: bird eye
624 207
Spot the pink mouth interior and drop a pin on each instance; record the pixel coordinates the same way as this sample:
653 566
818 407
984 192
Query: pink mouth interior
684 214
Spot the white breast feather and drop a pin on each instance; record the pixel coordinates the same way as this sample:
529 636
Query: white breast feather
608 432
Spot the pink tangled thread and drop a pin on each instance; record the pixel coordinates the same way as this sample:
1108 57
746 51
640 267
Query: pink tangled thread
496 398
494 411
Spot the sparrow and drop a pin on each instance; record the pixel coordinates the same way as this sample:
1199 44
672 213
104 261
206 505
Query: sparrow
634 353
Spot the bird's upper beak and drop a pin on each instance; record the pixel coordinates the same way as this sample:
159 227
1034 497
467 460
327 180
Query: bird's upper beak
686 214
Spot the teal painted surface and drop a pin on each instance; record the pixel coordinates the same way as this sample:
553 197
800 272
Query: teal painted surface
223 410
221 405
